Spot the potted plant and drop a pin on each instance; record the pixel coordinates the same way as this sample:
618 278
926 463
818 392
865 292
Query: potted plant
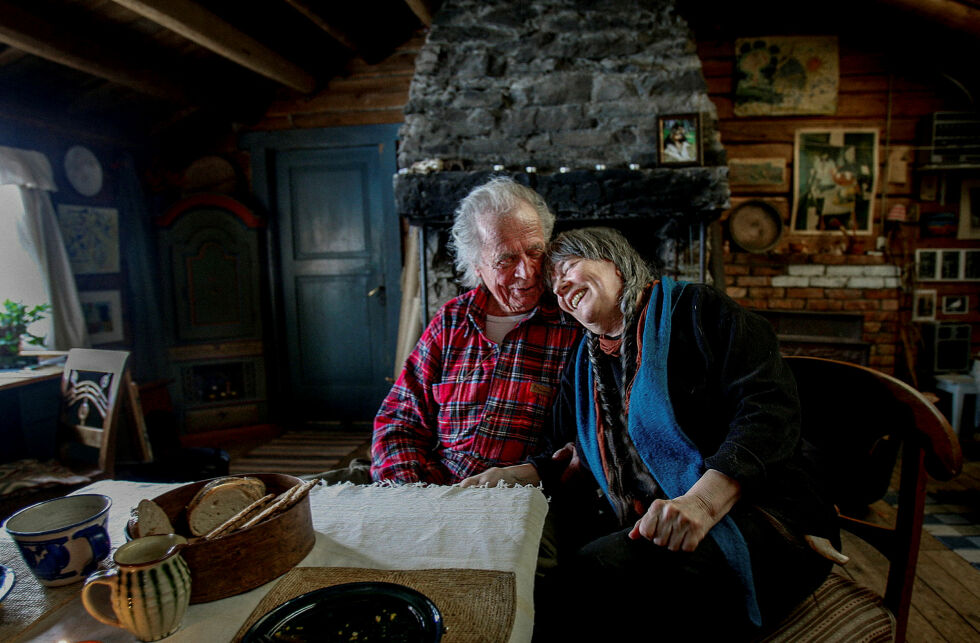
15 317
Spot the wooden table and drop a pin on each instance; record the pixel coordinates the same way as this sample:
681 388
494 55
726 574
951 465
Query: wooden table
29 402
376 527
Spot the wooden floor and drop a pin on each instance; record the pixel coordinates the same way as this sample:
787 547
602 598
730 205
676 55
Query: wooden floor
946 598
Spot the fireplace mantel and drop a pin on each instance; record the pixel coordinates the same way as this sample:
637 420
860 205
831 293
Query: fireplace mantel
691 195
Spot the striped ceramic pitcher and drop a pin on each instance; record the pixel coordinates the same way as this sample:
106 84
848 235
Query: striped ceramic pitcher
147 591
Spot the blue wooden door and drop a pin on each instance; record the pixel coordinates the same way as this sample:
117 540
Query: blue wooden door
339 260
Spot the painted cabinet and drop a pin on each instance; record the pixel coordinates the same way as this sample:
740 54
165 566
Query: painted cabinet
209 251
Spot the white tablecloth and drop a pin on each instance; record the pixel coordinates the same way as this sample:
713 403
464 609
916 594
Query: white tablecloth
379 527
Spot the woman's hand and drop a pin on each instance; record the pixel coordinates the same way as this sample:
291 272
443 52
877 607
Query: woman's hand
516 474
682 523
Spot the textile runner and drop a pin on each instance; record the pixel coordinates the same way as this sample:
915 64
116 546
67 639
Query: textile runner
406 527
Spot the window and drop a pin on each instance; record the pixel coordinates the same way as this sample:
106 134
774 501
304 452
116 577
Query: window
20 275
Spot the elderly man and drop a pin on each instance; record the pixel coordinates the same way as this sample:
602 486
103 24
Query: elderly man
481 381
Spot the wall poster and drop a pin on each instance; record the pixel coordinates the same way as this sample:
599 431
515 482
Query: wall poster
780 75
91 237
835 180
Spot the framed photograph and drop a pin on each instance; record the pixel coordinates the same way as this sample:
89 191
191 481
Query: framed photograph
923 305
781 75
680 139
835 180
102 310
926 265
947 264
91 238
971 265
969 227
928 187
956 304
762 174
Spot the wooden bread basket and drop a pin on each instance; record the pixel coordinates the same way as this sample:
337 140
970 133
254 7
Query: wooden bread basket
244 559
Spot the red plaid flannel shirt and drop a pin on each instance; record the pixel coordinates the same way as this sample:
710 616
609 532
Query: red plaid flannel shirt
462 403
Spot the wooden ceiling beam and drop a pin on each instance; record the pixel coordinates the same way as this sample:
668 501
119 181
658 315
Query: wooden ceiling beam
951 14
200 26
45 39
423 9
337 34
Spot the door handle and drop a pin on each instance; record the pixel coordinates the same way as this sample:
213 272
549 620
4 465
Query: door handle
380 292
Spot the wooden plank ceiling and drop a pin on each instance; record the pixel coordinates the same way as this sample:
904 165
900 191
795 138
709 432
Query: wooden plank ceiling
140 69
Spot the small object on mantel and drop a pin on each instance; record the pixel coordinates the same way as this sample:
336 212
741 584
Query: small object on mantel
498 167
427 166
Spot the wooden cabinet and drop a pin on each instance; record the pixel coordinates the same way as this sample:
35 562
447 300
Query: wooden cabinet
209 251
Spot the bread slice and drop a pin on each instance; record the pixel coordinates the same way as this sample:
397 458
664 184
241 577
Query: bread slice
220 500
149 519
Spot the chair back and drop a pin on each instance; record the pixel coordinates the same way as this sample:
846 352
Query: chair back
855 422
93 386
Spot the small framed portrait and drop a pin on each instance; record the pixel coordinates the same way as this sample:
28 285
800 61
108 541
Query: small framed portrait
680 139
956 304
923 305
969 224
926 264
102 310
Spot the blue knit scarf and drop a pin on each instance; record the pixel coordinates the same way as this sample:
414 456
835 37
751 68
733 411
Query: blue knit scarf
667 451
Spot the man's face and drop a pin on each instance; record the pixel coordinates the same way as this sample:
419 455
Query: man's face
511 261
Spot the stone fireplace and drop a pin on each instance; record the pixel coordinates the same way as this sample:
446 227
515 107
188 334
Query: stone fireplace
565 96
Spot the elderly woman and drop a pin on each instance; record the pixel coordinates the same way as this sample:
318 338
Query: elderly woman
687 417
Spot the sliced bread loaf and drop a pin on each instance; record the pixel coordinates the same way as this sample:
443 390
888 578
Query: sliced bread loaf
220 500
149 519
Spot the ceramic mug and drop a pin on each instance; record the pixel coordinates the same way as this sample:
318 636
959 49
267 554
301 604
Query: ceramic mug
148 590
62 540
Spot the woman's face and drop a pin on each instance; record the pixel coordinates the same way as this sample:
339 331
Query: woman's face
589 291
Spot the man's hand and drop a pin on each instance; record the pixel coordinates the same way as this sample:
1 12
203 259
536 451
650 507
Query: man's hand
516 474
569 455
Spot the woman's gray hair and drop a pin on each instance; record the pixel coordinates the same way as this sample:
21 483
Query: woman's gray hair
497 198
606 244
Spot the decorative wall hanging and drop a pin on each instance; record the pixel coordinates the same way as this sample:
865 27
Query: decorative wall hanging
781 75
83 170
755 226
969 224
680 139
835 177
768 174
102 310
938 224
91 237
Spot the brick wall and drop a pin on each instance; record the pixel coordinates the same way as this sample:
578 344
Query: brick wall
863 284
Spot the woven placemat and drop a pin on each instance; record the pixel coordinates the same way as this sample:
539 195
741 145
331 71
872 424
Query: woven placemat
476 604
29 600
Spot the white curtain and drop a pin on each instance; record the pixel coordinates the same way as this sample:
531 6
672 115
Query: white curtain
41 236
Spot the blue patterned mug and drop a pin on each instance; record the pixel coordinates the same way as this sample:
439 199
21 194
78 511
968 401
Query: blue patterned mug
62 540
